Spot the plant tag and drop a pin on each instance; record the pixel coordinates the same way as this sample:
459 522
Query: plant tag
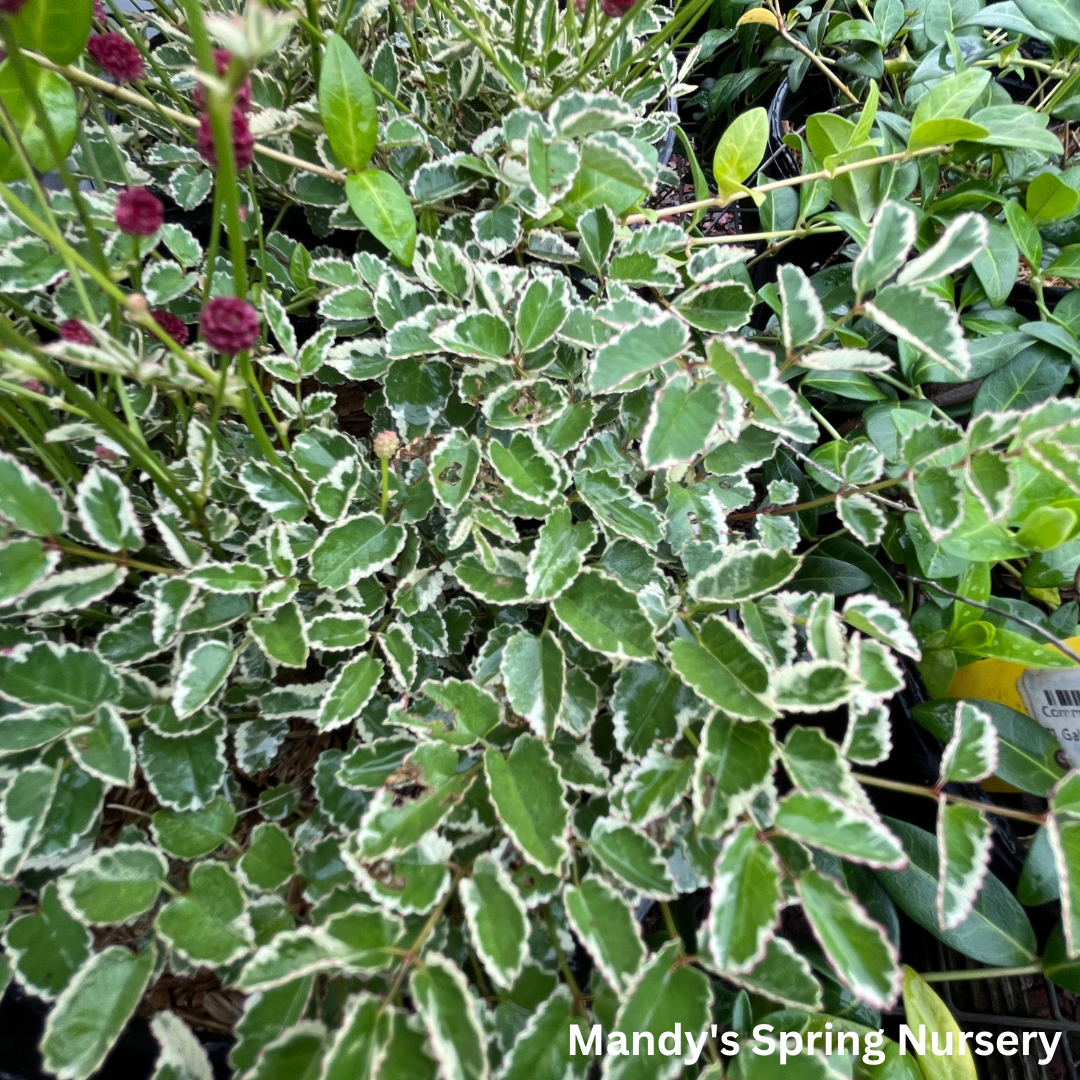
1052 696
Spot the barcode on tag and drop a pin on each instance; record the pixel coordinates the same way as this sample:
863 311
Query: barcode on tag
1052 696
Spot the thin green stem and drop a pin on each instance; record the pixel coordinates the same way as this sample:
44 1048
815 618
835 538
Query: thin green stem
981 973
933 793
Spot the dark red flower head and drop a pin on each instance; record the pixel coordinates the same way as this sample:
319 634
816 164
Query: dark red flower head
229 325
100 14
138 213
222 58
116 56
616 9
173 325
243 140
74 331
11 7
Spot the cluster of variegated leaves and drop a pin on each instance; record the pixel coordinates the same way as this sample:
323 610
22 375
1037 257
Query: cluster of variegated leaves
551 671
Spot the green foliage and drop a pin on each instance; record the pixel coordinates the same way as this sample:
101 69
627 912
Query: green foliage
453 631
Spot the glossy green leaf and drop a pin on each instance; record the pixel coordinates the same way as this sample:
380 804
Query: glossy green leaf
347 105
530 800
57 28
380 202
496 919
603 921
114 885
93 1010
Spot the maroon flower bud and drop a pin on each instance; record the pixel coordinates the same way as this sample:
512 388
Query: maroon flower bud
116 56
11 7
75 332
138 213
100 14
36 386
243 140
222 59
616 9
229 325
103 453
173 325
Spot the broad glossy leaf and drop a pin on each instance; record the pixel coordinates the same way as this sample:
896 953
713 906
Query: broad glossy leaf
347 105
997 931
57 28
825 821
534 673
859 951
58 99
606 617
496 919
92 1011
925 1010
114 885
209 924
1026 750
632 857
449 1013
528 795
734 762
740 150
745 902
380 202
603 921
353 549
725 668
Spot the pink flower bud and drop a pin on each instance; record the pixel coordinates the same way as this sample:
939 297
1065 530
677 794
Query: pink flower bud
116 56
34 385
385 445
75 332
173 325
103 453
222 59
229 325
138 213
243 140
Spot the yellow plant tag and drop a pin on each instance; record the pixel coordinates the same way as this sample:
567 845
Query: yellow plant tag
1049 695
758 15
